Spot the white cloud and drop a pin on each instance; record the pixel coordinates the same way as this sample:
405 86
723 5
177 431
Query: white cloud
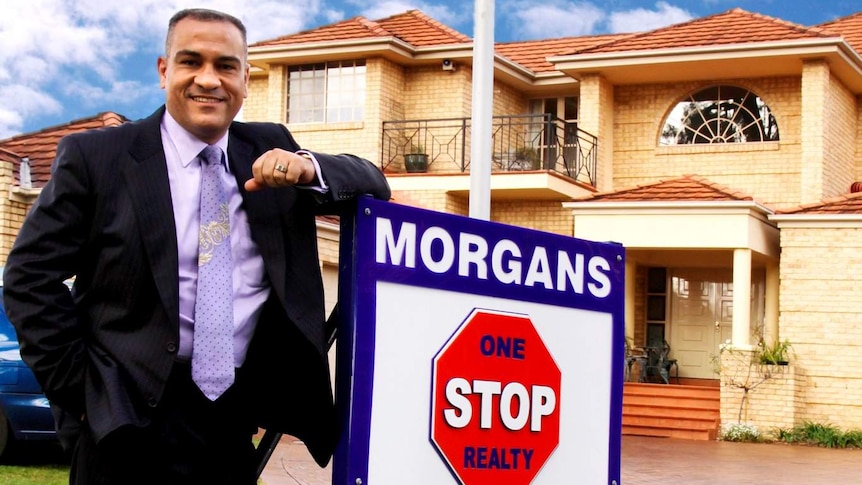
441 13
640 19
552 18
20 101
75 52
10 123
125 92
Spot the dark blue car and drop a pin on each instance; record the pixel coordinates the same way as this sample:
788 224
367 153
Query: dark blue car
24 411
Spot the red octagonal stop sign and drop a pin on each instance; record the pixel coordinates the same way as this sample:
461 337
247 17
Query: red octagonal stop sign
495 414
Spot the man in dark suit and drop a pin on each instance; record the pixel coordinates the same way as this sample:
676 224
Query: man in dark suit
122 214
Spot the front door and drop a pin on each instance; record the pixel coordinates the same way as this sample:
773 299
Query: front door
701 316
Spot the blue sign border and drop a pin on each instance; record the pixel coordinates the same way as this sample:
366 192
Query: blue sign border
359 273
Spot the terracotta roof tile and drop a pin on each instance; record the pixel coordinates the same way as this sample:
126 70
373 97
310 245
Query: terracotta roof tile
735 26
533 54
419 30
350 29
413 27
844 204
687 188
849 27
41 146
8 156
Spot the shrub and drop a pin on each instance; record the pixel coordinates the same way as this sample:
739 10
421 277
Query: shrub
821 434
740 432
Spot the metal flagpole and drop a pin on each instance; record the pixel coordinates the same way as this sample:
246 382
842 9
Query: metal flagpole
483 101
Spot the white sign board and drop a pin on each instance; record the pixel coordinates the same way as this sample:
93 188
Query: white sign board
452 332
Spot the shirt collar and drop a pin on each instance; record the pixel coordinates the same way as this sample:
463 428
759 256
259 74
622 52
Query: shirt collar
189 146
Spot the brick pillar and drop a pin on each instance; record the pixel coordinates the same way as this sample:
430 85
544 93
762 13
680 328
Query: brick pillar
596 117
815 86
277 95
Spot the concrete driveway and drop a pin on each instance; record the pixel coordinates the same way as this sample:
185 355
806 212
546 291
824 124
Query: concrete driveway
655 461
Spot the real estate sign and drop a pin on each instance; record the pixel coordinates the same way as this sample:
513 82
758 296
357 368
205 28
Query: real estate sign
476 353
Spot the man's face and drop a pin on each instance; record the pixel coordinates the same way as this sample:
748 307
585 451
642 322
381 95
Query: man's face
205 76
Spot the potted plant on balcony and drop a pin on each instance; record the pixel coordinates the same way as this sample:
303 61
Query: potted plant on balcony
527 158
416 160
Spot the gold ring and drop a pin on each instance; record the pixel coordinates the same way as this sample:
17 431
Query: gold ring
281 168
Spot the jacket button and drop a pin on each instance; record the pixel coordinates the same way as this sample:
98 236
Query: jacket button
151 402
171 347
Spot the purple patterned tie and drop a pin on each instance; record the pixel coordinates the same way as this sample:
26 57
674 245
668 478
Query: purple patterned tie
212 352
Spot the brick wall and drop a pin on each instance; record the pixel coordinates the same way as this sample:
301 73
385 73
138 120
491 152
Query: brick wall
254 107
768 171
597 117
327 245
13 206
858 137
815 86
839 140
821 278
775 397
546 216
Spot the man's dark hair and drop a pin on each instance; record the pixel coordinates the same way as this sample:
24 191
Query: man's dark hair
205 15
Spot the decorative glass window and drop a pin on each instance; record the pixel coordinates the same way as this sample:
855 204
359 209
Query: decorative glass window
329 92
720 114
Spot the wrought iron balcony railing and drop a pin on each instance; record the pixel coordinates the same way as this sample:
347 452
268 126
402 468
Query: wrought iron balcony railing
519 143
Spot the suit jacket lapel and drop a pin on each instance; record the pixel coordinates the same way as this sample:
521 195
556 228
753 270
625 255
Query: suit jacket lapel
262 210
146 174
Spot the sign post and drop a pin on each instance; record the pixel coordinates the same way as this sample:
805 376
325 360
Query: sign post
476 353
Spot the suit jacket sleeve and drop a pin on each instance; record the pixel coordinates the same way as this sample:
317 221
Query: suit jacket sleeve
37 301
349 176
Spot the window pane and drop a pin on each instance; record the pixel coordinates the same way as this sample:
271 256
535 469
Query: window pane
329 92
571 108
656 307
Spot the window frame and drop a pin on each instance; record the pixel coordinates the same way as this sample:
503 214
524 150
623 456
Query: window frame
724 118
312 88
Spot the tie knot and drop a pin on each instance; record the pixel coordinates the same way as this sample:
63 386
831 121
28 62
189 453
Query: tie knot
211 155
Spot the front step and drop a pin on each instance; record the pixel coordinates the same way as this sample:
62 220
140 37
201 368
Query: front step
672 411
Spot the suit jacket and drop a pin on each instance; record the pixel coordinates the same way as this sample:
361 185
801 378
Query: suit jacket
106 217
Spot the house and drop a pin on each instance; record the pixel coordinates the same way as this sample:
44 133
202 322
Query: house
25 167
721 152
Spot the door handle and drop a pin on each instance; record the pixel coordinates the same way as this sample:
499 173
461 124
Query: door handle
717 324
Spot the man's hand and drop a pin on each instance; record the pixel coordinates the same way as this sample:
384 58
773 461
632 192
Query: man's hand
280 168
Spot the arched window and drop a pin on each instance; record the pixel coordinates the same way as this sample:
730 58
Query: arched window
719 114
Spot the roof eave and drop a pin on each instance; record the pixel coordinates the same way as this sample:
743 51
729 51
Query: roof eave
390 47
819 220
627 66
262 56
664 205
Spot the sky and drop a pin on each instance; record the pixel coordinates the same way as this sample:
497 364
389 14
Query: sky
62 60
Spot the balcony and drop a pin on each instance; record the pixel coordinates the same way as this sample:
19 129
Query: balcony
532 156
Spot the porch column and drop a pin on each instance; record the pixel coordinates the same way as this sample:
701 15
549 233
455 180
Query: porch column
631 273
770 325
741 337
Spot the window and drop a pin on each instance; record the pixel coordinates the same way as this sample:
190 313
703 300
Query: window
656 305
720 114
326 93
567 107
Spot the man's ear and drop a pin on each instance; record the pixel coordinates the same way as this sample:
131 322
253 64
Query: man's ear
247 77
162 66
